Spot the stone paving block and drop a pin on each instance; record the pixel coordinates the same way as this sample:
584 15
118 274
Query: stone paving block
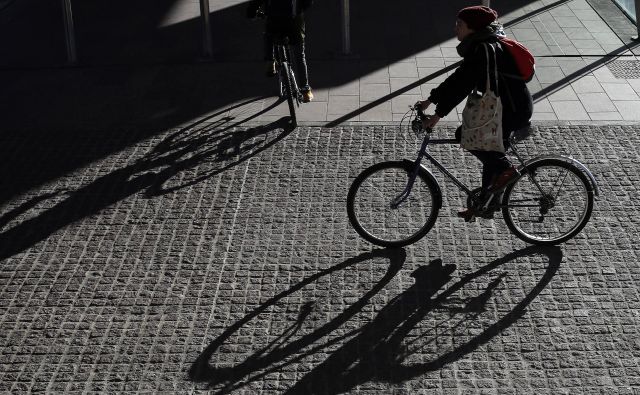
563 94
400 104
629 109
401 83
617 91
569 21
340 105
381 112
569 110
549 74
597 102
351 88
371 92
586 84
404 70
606 116
267 279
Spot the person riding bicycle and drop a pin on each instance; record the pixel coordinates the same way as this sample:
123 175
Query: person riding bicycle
476 26
285 18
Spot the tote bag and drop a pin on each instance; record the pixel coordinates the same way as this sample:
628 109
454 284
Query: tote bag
482 116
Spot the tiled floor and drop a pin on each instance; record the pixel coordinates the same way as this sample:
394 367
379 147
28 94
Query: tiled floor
572 45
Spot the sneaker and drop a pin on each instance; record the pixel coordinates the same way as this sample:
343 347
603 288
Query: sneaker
307 96
505 178
270 70
468 214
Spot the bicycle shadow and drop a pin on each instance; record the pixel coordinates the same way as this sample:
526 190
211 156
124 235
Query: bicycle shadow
212 148
273 356
379 350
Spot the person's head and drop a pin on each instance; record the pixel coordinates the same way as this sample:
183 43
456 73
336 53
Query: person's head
473 19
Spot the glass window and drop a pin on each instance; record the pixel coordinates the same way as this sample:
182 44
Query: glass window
628 7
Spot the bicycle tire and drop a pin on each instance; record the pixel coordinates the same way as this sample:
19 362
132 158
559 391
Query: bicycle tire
379 223
289 93
559 181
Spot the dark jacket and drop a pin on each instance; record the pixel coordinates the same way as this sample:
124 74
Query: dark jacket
517 104
278 8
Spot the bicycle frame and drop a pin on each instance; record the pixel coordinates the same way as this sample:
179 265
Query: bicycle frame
282 53
423 153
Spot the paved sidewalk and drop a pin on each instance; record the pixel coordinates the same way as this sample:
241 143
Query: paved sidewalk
582 72
221 259
162 230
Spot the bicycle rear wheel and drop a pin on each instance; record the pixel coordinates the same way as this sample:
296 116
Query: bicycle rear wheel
289 92
370 209
549 203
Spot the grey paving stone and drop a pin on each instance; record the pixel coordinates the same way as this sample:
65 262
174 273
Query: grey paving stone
587 84
549 74
618 91
597 102
569 110
629 109
403 70
564 94
262 255
342 104
371 92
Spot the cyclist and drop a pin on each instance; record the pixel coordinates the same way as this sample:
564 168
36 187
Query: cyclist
474 26
286 18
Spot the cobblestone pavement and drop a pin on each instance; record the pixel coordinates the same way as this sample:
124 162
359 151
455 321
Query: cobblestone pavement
221 259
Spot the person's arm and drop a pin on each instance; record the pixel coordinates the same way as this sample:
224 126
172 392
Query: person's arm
458 85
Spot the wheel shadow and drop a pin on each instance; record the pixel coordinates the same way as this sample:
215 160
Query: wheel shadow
191 155
380 350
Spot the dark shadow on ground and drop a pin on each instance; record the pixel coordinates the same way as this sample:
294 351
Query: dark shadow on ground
211 147
376 351
277 353
138 76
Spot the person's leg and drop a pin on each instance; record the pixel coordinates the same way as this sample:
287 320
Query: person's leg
493 164
301 66
299 32
268 49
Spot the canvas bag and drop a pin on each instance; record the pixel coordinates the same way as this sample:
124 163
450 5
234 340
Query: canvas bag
482 116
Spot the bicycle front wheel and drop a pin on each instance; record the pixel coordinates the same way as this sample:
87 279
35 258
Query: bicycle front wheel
549 203
379 217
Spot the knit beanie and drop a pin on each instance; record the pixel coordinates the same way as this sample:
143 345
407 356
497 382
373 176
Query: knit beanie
477 17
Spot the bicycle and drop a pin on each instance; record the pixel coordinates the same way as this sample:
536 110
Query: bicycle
396 203
287 83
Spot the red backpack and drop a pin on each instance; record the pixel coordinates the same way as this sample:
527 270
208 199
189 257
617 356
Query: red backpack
523 58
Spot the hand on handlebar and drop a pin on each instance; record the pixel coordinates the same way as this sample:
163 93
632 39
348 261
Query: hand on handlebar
429 121
422 105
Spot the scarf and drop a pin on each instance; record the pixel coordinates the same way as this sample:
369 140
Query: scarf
489 34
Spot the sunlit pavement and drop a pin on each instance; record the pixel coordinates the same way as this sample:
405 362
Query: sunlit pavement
222 259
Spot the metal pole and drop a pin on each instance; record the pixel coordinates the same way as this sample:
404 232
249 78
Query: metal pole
346 33
486 3
207 47
70 36
637 6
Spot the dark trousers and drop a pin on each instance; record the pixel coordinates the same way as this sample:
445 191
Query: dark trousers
493 162
295 30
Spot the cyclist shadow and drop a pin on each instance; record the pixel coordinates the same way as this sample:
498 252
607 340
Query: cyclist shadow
380 350
209 148
274 356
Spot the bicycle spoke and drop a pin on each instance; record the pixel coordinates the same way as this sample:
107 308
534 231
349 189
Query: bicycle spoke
557 212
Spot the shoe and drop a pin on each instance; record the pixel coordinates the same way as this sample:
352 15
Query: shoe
505 178
270 70
468 214
307 96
